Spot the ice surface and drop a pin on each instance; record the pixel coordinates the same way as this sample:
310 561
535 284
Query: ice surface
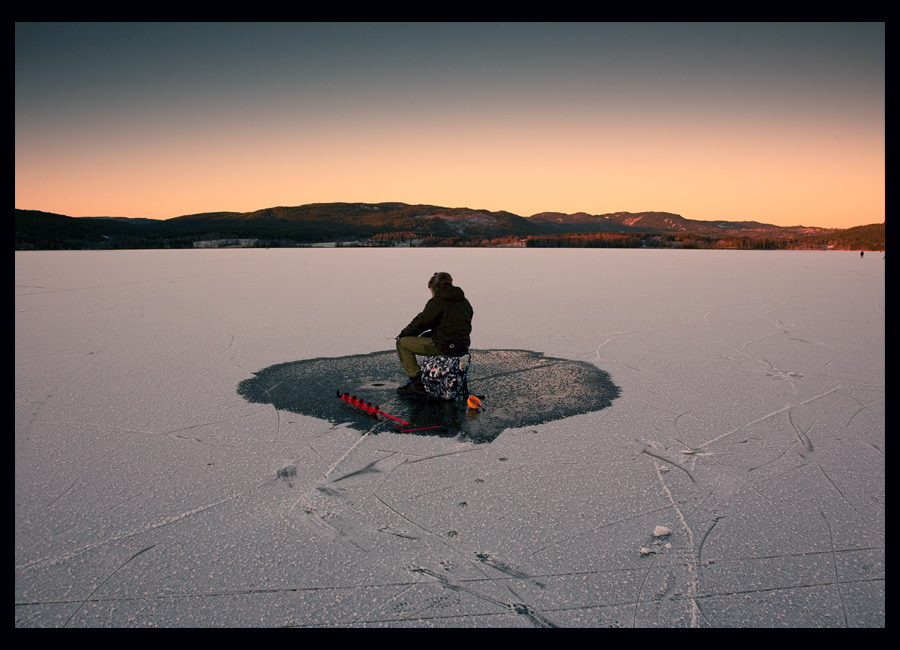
745 415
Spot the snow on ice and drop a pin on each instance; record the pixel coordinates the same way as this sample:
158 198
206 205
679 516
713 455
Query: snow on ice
181 458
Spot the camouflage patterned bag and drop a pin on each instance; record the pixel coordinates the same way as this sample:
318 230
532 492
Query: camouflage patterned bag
446 377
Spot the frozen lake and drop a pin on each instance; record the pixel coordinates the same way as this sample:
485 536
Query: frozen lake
669 439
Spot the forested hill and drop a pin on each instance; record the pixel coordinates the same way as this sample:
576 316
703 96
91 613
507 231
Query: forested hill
425 225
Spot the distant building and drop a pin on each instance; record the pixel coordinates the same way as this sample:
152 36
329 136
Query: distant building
227 243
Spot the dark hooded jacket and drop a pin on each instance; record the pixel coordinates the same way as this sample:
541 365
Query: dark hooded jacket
449 317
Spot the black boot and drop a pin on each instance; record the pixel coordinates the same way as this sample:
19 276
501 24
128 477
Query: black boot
413 386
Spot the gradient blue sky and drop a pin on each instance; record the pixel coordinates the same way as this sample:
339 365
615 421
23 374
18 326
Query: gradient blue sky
780 123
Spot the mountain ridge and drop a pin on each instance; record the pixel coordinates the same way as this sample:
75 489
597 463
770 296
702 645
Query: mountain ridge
392 222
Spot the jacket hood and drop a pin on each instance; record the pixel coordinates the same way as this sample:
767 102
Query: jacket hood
449 293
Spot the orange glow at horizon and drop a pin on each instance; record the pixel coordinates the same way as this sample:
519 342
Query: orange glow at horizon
775 179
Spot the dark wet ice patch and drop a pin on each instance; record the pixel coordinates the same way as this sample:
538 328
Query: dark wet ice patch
520 388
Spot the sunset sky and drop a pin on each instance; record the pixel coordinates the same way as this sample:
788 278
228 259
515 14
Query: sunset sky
780 123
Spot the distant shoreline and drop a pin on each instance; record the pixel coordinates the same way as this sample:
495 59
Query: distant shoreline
426 226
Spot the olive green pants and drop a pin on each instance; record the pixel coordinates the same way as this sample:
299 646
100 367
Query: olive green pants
407 349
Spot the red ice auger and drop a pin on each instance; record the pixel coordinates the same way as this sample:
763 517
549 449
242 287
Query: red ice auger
369 408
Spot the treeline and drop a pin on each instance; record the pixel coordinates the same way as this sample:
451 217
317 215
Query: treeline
394 238
590 240
647 240
859 238
59 241
35 230
105 242
869 238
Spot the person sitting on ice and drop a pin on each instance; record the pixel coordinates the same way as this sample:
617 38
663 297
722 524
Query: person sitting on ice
442 328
